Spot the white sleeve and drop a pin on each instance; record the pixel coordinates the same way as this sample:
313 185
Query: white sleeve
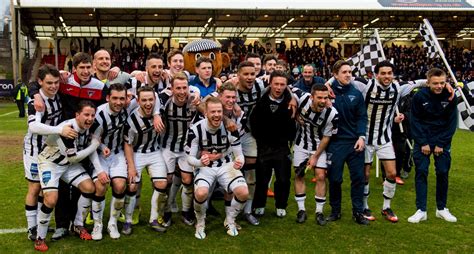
133 105
193 149
39 128
359 86
84 153
94 158
407 88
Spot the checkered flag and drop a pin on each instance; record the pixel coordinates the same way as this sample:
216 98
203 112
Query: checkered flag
466 116
428 41
366 59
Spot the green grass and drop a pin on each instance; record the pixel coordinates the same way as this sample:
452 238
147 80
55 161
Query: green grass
273 234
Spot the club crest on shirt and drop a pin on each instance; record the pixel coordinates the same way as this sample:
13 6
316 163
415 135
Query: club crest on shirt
351 97
444 104
90 93
273 108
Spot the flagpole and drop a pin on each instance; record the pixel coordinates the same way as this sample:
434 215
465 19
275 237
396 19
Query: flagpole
443 57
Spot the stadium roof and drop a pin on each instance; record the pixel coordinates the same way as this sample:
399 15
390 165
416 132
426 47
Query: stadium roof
258 19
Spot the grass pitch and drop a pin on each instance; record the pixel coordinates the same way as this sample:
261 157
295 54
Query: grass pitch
273 234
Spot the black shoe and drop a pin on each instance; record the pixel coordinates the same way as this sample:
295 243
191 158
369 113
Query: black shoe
334 216
360 219
167 219
188 218
32 232
321 220
301 216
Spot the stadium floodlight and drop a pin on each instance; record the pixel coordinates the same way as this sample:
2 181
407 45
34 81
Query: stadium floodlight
207 24
291 20
64 25
461 35
209 20
375 20
61 19
273 34
366 25
284 25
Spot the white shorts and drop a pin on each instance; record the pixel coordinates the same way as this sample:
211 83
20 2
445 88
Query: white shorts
171 158
300 155
228 177
31 167
249 145
50 173
155 163
115 166
384 152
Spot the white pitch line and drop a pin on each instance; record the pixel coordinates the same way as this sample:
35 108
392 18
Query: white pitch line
13 230
9 113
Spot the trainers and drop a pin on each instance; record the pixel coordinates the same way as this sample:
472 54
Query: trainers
389 215
89 219
97 232
399 181
301 216
237 226
280 212
187 218
321 220
200 233
127 228
404 174
121 217
270 193
32 233
251 219
113 231
232 229
136 215
82 232
418 216
167 219
59 234
40 245
360 219
334 216
368 214
259 211
445 215
158 227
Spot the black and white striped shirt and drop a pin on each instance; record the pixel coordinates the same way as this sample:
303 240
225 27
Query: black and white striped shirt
41 123
133 84
202 138
381 102
140 133
316 124
247 100
58 148
110 127
177 120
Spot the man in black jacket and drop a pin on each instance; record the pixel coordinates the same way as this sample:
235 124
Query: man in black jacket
273 127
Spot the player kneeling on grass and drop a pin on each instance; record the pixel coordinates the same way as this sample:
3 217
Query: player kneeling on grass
61 158
221 160
142 149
